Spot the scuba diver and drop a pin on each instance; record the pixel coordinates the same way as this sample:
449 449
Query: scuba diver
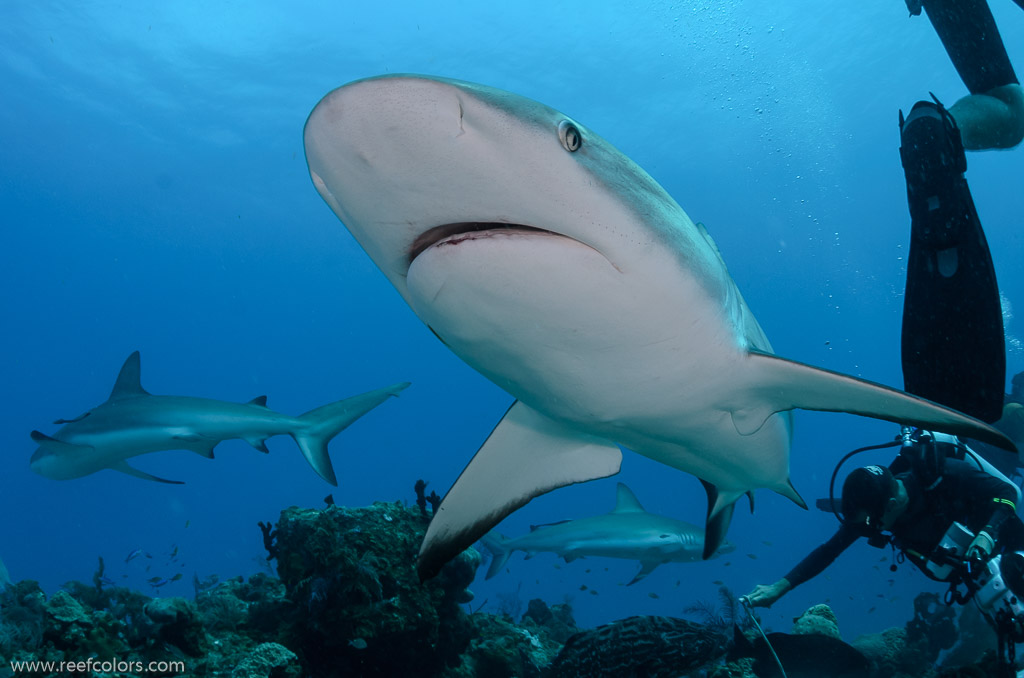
937 498
944 507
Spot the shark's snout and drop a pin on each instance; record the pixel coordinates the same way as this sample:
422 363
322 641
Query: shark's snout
45 463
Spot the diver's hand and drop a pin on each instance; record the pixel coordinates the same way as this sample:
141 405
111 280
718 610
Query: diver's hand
765 595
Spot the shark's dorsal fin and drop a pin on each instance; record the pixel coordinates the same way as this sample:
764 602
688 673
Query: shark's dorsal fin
626 501
259 401
526 455
129 380
123 467
58 446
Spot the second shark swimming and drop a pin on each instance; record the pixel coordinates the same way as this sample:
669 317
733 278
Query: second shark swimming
627 532
133 422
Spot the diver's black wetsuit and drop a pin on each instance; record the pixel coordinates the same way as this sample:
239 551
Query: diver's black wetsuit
953 348
965 495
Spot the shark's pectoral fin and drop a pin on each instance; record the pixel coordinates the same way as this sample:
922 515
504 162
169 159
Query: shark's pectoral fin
720 507
571 554
123 467
749 420
201 445
526 455
646 567
259 443
778 384
58 446
72 421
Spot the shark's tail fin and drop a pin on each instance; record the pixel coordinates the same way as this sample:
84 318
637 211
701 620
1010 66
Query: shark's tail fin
497 545
323 423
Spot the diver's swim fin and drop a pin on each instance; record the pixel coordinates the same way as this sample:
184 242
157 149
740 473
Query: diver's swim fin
952 347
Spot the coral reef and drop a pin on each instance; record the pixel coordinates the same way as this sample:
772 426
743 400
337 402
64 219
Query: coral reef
268 660
817 619
359 607
348 602
655 647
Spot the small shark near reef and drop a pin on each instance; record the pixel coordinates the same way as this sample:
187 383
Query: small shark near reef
553 265
133 422
627 532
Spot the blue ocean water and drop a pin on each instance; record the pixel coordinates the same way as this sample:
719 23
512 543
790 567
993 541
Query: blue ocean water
154 197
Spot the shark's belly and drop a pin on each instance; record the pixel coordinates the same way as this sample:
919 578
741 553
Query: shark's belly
646 358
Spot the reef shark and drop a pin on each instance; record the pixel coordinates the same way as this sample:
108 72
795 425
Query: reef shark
133 422
627 532
556 267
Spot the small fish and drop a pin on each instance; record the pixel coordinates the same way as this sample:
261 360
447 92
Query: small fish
593 592
871 610
727 563
358 643
187 523
177 577
766 543
583 587
156 582
174 551
329 501
751 556
718 582
133 555
652 594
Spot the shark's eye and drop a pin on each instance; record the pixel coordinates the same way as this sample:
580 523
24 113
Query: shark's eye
570 136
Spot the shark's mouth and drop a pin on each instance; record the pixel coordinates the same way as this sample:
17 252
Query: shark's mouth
453 234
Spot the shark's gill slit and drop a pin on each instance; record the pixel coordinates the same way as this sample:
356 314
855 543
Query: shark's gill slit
435 235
